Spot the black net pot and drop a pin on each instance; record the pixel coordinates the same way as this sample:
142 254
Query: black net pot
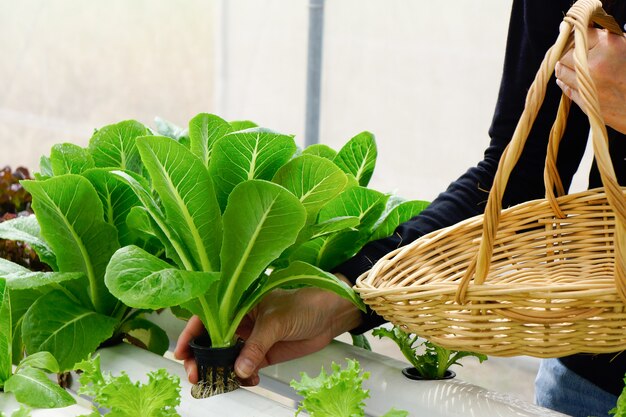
412 373
216 367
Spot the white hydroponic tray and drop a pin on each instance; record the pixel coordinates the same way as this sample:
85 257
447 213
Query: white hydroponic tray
275 398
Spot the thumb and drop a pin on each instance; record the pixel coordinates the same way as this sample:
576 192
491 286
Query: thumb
253 354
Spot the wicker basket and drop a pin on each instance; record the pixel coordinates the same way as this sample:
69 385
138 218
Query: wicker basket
545 278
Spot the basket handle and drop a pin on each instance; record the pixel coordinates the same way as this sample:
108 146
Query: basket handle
573 30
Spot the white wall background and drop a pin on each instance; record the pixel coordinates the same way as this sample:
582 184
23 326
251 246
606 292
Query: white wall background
422 76
69 66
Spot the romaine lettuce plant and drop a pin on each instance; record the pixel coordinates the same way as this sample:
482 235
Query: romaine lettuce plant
29 382
80 221
338 394
432 361
240 213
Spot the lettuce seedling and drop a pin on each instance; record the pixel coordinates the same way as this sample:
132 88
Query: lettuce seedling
338 394
620 408
434 361
29 382
159 397
21 412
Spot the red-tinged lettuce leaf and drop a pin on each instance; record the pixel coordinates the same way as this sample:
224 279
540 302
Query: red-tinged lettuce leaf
14 198
26 229
57 324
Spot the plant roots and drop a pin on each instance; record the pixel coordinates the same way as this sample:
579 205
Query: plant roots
216 381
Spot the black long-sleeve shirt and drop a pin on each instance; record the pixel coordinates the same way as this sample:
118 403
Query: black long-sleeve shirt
533 29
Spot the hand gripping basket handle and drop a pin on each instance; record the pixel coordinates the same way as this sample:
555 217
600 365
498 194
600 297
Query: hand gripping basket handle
573 30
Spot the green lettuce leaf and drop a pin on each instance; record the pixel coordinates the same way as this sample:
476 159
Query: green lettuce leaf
142 280
397 215
6 336
186 191
67 158
204 130
146 334
239 125
339 394
247 155
358 157
21 412
72 222
117 200
319 149
31 386
261 220
313 179
57 324
157 398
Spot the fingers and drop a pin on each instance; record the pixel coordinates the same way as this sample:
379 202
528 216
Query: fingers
191 369
193 329
565 69
566 79
251 381
253 354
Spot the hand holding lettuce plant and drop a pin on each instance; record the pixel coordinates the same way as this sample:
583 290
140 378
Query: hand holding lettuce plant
433 363
338 394
240 214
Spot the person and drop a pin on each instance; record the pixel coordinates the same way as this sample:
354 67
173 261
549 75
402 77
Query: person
292 323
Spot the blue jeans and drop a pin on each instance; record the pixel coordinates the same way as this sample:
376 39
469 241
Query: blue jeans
560 389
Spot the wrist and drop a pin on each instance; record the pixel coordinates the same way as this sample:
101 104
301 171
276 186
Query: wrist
346 316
